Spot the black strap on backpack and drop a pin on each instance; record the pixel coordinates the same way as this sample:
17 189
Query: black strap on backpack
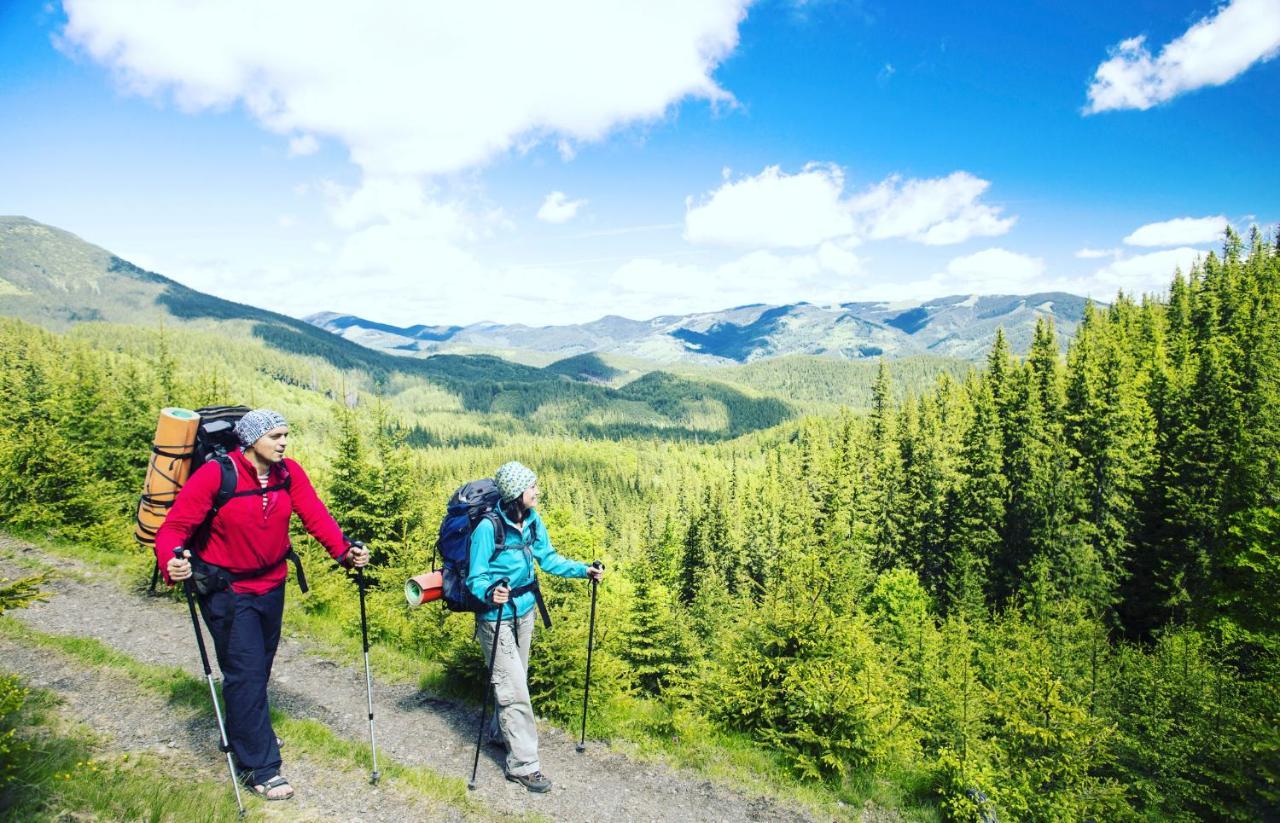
164 500
226 492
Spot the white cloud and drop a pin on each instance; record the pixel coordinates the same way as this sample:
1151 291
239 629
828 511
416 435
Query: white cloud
992 271
1214 51
772 210
835 257
558 208
779 210
287 221
396 200
936 212
650 287
1181 231
1096 254
418 88
1144 273
303 145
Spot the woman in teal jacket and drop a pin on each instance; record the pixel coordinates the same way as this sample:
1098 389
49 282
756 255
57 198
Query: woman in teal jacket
524 540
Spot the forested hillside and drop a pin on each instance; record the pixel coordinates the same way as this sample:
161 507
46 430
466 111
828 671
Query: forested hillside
1048 588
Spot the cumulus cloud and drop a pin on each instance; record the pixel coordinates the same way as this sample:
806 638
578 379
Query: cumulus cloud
419 88
936 212
992 271
1095 254
838 258
651 287
778 210
558 208
1180 231
1145 273
1214 51
304 145
772 210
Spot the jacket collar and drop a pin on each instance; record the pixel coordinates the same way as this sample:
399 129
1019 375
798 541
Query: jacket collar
530 518
275 472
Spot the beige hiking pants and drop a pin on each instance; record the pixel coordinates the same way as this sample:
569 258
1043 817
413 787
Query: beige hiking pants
513 721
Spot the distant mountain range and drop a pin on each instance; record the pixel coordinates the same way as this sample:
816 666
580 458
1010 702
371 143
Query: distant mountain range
54 279
51 277
962 326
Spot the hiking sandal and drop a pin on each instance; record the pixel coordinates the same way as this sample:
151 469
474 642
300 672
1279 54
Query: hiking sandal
263 790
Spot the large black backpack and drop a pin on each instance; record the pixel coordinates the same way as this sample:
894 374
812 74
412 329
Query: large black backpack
215 440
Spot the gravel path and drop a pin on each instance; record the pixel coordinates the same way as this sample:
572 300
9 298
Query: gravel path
413 728
133 720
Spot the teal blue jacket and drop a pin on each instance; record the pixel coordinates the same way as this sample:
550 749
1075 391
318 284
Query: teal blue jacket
515 561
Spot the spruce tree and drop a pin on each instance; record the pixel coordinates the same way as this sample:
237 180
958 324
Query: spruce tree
352 488
882 476
978 505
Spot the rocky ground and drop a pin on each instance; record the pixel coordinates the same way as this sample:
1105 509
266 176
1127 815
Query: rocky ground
413 728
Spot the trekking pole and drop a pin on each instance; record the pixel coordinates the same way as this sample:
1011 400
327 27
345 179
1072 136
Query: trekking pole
368 677
181 554
591 638
488 688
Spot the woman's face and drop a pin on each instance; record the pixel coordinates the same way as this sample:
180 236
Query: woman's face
530 497
270 446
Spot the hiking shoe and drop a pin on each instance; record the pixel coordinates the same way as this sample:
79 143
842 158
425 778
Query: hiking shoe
534 782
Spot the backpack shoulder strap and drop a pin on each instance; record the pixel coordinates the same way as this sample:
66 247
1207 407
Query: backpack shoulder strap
227 485
226 491
499 533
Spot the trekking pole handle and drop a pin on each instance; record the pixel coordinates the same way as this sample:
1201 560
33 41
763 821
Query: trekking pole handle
182 554
504 583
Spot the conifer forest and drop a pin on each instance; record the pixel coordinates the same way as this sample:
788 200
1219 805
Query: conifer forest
1048 588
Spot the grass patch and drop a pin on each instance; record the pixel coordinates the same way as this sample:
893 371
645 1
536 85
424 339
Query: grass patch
61 774
131 569
307 737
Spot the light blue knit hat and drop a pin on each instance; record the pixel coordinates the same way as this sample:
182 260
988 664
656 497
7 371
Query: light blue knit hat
257 423
512 479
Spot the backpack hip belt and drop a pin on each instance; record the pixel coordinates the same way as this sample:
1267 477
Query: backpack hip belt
537 598
217 578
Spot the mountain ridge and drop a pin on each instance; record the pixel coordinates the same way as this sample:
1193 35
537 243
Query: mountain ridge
51 278
962 326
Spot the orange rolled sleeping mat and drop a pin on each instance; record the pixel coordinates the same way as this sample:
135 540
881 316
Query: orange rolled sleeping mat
170 465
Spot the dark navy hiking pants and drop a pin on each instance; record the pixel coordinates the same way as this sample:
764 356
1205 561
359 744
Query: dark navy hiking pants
246 631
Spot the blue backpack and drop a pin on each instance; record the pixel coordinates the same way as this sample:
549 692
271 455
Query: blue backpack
473 502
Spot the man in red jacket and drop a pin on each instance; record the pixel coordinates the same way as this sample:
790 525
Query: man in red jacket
244 560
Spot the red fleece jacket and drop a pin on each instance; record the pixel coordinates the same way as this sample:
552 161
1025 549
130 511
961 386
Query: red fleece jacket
245 536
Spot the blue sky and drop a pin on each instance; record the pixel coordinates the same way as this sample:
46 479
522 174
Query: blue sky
554 162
